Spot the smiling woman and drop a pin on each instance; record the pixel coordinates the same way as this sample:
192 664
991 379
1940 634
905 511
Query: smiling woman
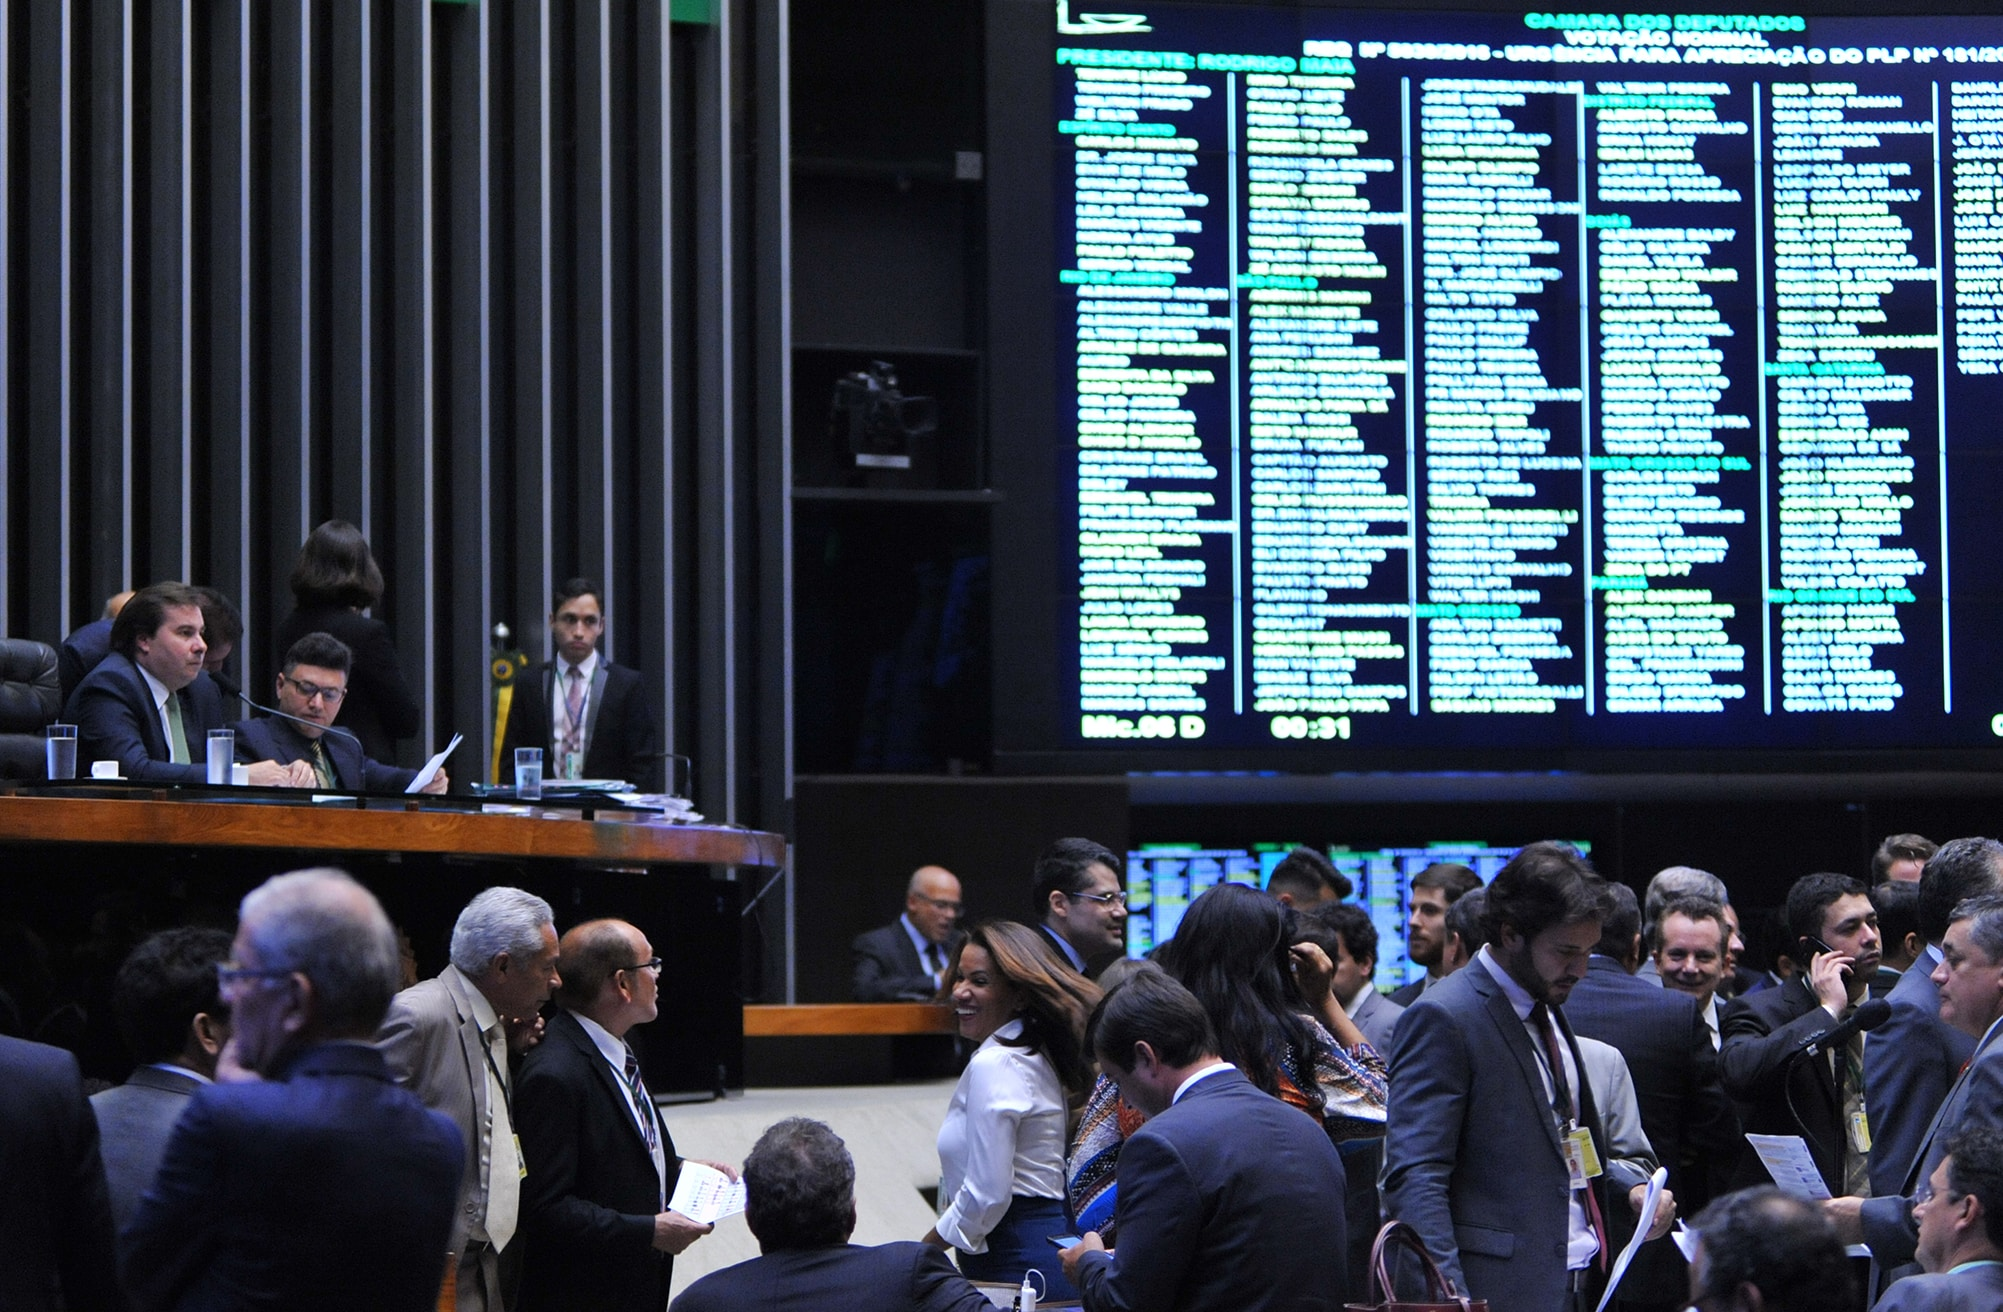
1001 1148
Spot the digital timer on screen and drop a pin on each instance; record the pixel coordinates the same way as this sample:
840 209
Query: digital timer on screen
1458 379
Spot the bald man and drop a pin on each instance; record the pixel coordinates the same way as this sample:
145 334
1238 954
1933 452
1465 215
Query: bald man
907 961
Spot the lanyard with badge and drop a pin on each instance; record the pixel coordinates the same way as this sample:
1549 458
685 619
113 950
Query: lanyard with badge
507 1100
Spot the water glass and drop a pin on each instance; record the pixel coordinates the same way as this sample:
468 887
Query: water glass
222 750
62 751
528 774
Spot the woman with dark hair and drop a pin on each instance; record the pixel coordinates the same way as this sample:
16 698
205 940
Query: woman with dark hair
1001 1149
335 581
1269 999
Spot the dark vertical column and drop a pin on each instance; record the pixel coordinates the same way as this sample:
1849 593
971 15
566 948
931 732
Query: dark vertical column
224 409
174 531
411 608
50 62
592 529
464 37
107 505
349 208
287 324
652 589
717 462
528 439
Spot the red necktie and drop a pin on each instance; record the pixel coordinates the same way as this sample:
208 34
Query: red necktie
1567 1109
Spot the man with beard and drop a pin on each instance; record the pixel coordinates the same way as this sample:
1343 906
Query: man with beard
1434 889
1494 1145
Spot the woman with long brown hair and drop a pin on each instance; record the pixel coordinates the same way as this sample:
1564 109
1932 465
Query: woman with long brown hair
1001 1149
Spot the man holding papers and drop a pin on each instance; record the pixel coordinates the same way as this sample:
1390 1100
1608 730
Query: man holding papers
310 691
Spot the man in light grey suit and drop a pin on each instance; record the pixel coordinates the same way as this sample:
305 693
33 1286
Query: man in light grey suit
447 1039
1961 1231
1970 977
1488 1092
166 999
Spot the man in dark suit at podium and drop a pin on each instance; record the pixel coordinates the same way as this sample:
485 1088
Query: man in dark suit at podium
591 718
799 1200
310 690
907 960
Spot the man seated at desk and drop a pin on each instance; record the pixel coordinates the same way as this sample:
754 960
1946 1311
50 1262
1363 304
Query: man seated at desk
310 690
148 705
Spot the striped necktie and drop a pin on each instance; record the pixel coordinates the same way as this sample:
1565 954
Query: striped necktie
322 768
643 1106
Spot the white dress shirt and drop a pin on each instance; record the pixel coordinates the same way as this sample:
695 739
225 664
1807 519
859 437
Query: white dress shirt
559 711
925 947
1003 1137
613 1049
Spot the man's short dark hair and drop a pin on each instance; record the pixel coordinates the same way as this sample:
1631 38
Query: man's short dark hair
1897 902
1901 847
1963 868
1150 1007
319 649
799 1187
1620 921
1452 878
1352 923
1810 899
571 589
1543 886
1975 1167
1063 868
1305 872
222 622
1467 918
1693 908
146 612
1784 1247
169 979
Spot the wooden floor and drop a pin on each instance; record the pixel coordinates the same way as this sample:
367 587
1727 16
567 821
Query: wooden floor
891 1131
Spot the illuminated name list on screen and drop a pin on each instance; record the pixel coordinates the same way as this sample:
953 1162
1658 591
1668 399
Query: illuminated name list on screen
1550 379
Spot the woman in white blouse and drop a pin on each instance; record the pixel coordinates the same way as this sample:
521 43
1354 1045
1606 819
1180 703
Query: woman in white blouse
1001 1150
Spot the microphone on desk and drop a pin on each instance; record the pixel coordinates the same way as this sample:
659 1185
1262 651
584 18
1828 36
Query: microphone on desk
229 686
1868 1016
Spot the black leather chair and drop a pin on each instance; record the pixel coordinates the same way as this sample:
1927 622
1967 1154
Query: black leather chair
30 700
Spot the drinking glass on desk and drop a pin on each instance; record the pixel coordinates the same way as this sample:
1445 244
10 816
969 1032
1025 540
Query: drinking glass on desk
222 750
62 751
528 774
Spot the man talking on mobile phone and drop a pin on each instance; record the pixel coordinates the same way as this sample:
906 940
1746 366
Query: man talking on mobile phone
1769 1060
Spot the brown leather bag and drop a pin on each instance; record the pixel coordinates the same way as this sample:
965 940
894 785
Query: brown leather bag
1442 1296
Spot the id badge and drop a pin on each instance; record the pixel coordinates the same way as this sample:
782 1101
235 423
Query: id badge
1582 1160
1860 1132
571 765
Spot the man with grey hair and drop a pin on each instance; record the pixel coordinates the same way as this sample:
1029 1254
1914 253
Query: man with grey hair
1970 979
310 1181
799 1186
1669 884
447 1040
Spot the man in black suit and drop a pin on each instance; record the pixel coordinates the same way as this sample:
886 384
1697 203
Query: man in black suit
907 961
1821 1098
1915 1055
1685 1114
799 1200
86 646
600 1164
310 690
148 705
172 1018
1079 904
55 1221
591 718
1225 1192
320 1184
1434 889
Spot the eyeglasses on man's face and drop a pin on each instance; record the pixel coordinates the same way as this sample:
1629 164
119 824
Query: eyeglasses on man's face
651 963
1103 899
940 903
332 696
232 979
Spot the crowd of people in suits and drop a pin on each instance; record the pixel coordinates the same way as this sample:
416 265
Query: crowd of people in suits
1216 1127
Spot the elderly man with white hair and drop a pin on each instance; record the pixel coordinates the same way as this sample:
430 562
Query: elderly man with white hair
447 1040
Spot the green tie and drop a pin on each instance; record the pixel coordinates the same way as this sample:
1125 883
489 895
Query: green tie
320 766
177 737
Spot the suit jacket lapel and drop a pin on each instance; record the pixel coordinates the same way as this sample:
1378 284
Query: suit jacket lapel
593 699
1957 1098
1517 1039
1825 1079
615 1086
472 1050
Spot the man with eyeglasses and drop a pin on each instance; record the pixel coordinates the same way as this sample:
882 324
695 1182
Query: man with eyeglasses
305 1178
448 1040
601 1165
1960 1216
1080 906
592 718
310 692
907 961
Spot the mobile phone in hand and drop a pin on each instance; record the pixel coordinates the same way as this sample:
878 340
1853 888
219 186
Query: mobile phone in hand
1065 1241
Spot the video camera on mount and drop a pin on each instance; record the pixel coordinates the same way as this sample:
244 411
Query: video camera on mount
874 423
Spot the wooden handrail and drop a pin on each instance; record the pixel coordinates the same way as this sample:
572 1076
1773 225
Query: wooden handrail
847 1018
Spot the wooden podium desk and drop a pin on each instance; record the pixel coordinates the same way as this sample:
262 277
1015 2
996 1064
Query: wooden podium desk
89 873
